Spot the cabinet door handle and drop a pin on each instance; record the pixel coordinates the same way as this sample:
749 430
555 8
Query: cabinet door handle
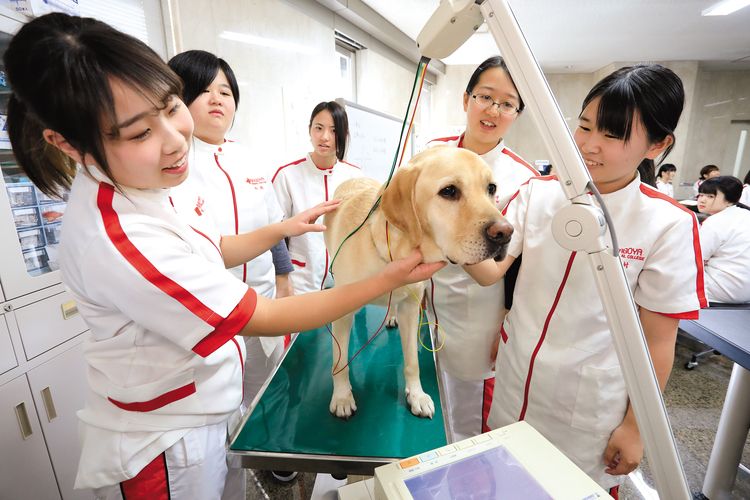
69 309
23 420
49 404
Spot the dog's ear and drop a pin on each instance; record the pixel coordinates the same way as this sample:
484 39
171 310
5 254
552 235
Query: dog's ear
399 205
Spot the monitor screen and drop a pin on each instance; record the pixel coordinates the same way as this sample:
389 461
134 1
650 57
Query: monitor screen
494 473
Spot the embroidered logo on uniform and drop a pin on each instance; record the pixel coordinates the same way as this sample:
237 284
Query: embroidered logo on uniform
631 253
256 182
199 206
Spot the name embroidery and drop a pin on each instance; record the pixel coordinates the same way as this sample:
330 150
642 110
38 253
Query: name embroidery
630 253
256 182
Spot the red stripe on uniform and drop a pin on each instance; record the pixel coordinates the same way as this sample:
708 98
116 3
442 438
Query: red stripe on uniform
503 334
520 160
284 166
683 315
487 392
151 483
445 139
209 239
699 286
222 326
350 164
117 235
230 326
544 334
157 402
234 206
298 263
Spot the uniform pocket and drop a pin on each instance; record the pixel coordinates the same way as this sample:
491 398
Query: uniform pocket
601 400
190 450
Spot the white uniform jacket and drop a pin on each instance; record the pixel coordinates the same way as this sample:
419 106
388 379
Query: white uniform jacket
225 188
301 185
745 196
557 367
470 315
665 187
725 241
163 312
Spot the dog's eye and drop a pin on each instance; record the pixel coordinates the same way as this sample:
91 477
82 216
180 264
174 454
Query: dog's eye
491 189
450 192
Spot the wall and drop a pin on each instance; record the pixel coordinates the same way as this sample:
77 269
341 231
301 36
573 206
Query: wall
288 66
721 96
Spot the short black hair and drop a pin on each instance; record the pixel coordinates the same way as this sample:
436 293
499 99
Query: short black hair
198 69
666 167
730 187
650 92
340 124
707 170
489 63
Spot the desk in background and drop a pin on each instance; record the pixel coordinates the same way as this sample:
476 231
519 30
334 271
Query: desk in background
728 331
290 427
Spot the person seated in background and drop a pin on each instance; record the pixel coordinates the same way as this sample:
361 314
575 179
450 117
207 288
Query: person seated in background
664 179
745 198
725 240
706 172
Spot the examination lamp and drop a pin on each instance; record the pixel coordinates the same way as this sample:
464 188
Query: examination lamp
579 227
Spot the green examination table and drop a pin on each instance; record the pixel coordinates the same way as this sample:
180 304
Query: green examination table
289 426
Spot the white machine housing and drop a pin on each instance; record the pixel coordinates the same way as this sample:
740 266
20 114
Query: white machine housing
514 461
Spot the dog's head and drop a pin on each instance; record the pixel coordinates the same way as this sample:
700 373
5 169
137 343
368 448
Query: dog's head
445 196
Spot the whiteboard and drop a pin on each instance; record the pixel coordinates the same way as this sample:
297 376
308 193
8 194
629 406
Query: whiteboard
373 139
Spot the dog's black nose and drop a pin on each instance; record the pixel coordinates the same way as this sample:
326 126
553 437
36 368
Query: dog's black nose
498 231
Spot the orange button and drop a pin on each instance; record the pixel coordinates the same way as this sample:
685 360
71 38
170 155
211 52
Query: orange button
409 462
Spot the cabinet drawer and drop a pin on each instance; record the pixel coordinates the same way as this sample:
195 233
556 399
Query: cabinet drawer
43 324
7 356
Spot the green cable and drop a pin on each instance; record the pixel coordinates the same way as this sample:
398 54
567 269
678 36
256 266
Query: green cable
420 67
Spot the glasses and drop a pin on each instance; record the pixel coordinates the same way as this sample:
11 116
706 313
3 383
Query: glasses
485 101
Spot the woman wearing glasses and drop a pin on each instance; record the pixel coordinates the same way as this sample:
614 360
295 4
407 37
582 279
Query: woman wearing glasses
468 314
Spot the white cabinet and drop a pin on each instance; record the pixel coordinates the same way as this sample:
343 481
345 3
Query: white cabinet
59 390
25 468
48 323
7 356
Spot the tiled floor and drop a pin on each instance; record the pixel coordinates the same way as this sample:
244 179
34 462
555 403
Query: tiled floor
693 399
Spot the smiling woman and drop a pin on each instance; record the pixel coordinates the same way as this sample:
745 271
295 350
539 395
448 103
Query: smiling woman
492 105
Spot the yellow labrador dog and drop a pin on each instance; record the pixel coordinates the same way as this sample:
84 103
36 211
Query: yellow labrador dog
442 203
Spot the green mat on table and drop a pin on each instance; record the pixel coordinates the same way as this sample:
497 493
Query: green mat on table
292 415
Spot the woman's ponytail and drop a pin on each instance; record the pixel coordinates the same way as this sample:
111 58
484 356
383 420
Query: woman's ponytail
48 168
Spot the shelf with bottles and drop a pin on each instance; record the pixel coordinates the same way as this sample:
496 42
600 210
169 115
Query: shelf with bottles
37 219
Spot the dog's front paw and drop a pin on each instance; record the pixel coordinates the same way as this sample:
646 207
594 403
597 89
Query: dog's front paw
343 405
392 322
420 404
